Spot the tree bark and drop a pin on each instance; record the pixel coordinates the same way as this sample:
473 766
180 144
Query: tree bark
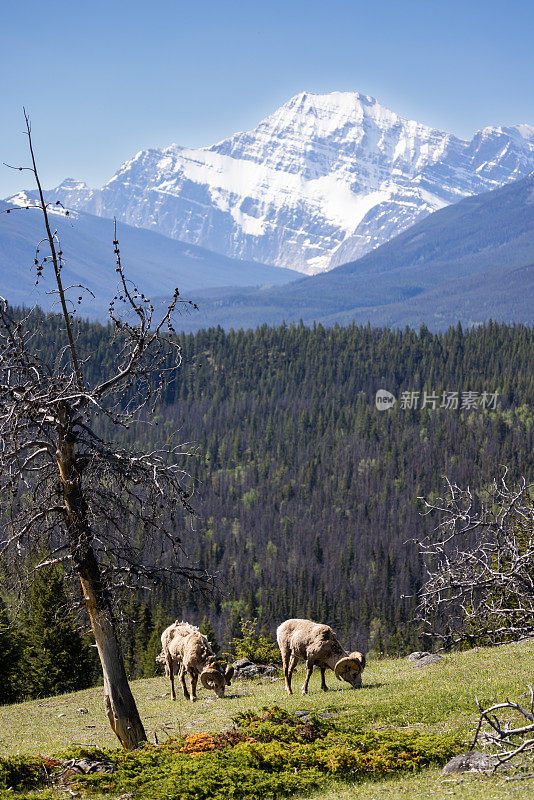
120 705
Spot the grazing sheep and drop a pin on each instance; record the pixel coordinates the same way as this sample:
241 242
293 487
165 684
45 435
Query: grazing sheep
186 650
318 646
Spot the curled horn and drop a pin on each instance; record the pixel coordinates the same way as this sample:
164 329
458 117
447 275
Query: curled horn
355 661
212 679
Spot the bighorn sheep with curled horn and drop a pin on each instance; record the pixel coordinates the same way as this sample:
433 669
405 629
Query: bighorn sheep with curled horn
186 650
318 646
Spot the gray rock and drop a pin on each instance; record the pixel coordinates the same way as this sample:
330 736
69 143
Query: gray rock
430 658
472 761
302 714
417 655
250 670
242 662
87 766
305 714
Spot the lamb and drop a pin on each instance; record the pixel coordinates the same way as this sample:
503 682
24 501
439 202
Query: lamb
186 650
318 646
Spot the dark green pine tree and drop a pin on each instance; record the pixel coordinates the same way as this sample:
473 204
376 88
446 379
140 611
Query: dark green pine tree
143 631
10 652
148 667
207 629
56 658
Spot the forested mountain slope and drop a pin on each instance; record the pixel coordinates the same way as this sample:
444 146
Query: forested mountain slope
307 493
472 261
155 261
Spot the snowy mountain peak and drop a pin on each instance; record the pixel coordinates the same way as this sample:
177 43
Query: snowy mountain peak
323 115
30 200
72 185
22 199
322 180
526 131
348 103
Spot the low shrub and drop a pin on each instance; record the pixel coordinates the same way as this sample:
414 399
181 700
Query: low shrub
20 772
269 755
203 742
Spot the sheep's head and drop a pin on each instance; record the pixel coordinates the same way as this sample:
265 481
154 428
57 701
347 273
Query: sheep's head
350 669
212 677
161 659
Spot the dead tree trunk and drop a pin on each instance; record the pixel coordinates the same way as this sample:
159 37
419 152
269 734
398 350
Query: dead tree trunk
101 508
120 705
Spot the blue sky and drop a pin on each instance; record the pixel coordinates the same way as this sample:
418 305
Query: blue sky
103 80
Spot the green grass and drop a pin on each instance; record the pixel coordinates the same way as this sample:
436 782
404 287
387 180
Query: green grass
433 699
428 784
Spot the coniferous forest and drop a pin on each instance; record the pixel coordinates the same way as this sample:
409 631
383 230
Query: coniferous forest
306 493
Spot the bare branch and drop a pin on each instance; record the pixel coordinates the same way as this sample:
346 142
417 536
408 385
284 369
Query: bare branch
508 740
72 494
480 565
55 261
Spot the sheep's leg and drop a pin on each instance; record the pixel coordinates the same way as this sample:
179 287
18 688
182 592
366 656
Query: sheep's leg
293 661
286 659
309 670
170 669
194 679
324 687
182 681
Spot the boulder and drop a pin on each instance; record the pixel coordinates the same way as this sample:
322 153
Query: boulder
423 659
417 655
246 670
74 767
473 761
242 662
431 658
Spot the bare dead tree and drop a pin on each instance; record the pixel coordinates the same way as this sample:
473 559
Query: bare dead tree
106 512
480 565
510 740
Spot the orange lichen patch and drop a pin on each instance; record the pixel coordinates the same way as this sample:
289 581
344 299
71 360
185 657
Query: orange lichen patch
198 743
204 742
49 763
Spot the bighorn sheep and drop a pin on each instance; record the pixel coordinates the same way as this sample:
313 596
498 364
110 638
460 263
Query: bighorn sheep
185 649
318 646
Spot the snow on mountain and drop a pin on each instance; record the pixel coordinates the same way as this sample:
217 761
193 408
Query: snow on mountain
321 181
29 200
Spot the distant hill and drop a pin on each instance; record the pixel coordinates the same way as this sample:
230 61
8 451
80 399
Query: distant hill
155 261
471 261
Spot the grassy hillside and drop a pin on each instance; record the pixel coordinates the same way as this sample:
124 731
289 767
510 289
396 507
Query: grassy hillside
434 700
